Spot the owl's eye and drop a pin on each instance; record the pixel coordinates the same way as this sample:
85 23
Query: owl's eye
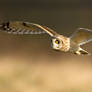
57 42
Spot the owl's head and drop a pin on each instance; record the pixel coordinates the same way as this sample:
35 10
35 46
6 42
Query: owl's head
57 44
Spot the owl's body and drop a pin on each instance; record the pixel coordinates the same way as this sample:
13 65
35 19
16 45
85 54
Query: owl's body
73 46
69 45
59 42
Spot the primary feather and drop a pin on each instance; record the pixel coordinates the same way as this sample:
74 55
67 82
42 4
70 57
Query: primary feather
18 27
82 36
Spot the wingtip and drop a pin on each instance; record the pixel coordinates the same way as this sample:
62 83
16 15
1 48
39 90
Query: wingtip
84 29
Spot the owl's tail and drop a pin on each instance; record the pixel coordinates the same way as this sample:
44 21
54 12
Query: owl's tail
82 52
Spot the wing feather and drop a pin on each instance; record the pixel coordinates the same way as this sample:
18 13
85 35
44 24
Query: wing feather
18 27
82 36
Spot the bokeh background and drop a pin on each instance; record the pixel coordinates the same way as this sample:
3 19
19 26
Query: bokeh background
28 63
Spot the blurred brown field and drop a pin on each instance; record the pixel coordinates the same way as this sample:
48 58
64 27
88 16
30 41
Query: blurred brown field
28 63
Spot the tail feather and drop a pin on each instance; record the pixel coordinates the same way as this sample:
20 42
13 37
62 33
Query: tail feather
82 52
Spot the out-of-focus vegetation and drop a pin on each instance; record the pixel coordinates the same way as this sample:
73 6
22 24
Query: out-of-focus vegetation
28 63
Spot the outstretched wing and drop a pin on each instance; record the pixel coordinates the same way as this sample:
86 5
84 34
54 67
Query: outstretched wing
82 36
18 27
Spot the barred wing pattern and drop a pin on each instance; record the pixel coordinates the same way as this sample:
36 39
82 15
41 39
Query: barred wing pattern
82 36
18 27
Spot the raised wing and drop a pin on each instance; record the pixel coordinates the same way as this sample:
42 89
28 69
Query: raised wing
82 36
18 27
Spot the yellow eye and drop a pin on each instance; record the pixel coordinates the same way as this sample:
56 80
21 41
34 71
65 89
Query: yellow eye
57 41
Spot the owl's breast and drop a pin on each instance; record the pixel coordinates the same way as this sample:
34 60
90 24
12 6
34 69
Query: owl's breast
65 44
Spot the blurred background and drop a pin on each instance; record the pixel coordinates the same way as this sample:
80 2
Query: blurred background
28 63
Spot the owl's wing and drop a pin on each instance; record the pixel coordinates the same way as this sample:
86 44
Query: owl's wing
82 36
18 27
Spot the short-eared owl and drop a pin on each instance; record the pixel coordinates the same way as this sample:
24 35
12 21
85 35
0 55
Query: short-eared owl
59 42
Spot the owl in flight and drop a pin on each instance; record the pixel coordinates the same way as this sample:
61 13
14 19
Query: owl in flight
59 42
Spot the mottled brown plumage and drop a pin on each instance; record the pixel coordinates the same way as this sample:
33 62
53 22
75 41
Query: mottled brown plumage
59 42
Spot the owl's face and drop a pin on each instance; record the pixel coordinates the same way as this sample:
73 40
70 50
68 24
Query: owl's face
56 44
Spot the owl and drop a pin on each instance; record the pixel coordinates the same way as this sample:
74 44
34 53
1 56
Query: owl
59 42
